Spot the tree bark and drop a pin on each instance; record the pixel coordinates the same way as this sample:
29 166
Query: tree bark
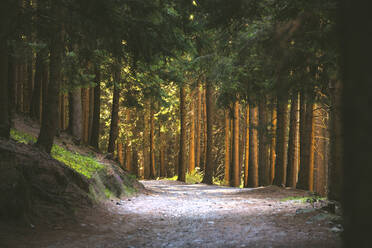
182 151
247 140
152 143
273 144
253 148
235 172
292 165
356 50
85 117
209 163
49 124
38 81
198 126
75 115
146 140
4 91
335 176
114 127
192 139
281 142
94 140
306 173
227 147
264 169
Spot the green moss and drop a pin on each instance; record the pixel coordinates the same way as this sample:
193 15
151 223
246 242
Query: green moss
108 193
85 165
303 199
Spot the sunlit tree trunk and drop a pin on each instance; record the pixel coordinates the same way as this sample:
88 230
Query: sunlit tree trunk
235 172
120 153
292 169
253 148
198 125
273 144
205 138
281 142
246 147
227 147
209 163
163 172
182 151
49 123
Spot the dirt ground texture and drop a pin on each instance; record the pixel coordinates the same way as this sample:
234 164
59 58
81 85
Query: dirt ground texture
174 214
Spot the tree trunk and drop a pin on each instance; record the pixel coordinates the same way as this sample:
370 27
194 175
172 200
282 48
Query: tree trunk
182 151
205 127
320 137
85 119
35 110
247 140
235 172
120 152
198 126
264 170
44 90
49 123
335 176
94 140
146 140
114 127
273 144
75 115
306 173
192 139
4 91
227 147
253 148
357 122
209 163
281 142
292 169
152 143
163 172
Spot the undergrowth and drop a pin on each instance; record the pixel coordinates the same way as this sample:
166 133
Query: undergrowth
303 199
85 165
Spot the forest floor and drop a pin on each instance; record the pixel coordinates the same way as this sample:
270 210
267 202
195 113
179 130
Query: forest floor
174 214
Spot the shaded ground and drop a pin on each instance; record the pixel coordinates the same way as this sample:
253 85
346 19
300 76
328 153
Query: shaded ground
172 214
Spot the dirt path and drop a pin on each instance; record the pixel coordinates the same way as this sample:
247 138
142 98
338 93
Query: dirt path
179 215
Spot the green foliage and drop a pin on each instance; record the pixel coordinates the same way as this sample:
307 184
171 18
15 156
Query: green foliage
82 164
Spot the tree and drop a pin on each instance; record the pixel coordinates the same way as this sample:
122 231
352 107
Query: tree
182 152
114 127
235 170
292 164
209 163
227 147
356 102
281 142
192 138
246 152
49 124
253 148
94 140
264 169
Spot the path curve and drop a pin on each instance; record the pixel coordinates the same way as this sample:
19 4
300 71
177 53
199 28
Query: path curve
174 214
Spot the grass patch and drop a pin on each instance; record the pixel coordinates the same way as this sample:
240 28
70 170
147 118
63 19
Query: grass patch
85 165
191 178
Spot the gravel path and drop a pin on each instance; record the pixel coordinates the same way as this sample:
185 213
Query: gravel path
173 214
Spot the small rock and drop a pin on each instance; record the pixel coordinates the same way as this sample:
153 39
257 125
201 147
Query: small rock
83 225
32 226
336 229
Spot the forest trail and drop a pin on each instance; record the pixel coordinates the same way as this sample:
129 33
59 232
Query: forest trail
173 214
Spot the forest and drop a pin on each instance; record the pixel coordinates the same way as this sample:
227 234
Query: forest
244 95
